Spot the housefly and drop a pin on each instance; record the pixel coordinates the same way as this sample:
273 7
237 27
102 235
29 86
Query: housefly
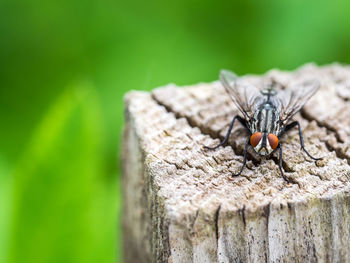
266 113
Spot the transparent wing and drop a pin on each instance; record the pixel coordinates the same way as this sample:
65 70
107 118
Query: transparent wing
293 98
245 95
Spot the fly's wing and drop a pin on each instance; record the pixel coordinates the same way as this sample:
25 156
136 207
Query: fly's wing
293 98
245 95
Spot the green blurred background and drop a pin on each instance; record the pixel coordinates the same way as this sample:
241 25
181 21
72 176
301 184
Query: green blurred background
65 66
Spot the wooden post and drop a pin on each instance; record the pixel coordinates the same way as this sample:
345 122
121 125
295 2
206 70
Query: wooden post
181 205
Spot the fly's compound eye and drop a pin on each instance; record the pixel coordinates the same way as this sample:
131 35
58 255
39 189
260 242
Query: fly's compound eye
273 140
255 138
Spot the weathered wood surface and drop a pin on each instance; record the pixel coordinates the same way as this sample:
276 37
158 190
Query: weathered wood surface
180 204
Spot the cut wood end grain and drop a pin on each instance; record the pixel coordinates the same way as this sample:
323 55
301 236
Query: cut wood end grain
181 203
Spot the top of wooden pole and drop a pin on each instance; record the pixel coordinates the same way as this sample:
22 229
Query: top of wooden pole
173 124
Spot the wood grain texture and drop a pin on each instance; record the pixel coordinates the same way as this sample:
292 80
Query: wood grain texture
181 205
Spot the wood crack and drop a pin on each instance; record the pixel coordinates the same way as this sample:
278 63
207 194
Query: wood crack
338 151
190 121
329 128
217 214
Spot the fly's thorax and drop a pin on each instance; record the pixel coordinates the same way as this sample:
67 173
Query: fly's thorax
266 119
265 127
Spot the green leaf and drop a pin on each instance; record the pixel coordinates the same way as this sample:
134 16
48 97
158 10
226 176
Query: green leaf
63 209
6 187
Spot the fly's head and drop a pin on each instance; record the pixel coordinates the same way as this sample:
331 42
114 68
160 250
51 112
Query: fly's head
264 143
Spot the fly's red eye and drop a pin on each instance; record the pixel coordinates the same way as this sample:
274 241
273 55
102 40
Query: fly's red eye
273 140
255 138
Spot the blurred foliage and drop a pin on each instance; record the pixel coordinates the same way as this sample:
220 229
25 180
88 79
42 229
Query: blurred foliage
65 67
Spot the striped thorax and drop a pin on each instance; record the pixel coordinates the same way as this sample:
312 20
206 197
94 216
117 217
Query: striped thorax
265 124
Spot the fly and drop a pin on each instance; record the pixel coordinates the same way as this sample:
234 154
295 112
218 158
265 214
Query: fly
266 113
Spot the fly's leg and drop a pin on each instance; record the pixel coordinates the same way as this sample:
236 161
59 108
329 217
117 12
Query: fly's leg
292 125
241 120
244 158
280 164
